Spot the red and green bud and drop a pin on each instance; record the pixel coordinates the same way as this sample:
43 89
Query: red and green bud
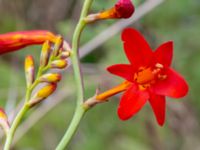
14 41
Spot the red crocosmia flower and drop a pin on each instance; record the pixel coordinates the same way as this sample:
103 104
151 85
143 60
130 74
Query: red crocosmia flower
16 40
150 76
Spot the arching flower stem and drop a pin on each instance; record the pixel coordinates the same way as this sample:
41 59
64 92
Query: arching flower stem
80 110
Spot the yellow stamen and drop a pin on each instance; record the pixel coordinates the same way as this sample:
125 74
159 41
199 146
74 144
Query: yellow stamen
147 76
158 65
162 77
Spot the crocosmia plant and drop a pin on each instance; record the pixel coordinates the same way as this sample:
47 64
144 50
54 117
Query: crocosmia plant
148 77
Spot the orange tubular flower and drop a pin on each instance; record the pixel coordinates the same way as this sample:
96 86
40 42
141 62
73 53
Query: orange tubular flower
14 41
103 97
122 9
117 89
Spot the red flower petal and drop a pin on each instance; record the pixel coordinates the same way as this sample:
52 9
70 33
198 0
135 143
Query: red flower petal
164 53
131 102
136 48
122 70
174 85
158 104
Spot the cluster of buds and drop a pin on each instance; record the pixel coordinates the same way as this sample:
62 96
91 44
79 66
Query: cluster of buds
122 9
53 56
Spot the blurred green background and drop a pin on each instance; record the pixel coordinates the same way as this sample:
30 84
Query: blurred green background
101 129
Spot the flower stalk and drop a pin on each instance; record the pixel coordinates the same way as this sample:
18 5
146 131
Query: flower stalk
80 110
14 126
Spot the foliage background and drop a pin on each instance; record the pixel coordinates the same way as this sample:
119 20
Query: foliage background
101 129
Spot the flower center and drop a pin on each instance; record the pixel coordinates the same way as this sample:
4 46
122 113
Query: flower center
147 76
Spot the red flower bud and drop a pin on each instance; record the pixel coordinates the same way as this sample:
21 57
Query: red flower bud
122 9
16 40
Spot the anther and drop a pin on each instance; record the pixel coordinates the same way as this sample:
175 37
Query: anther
158 65
162 77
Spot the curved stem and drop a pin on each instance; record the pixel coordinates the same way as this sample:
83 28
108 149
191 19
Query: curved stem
18 118
14 126
75 56
79 113
80 110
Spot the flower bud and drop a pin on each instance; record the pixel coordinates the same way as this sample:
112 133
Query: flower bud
50 77
64 54
29 70
4 121
58 45
42 94
59 64
14 41
122 9
45 53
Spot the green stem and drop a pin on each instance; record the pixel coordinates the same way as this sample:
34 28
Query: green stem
14 126
75 57
18 118
79 113
80 110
